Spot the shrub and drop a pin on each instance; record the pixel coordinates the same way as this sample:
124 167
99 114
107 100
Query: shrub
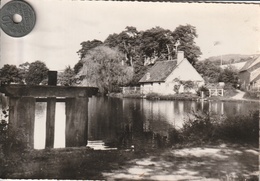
206 128
251 95
11 139
203 89
240 128
229 90
200 129
152 96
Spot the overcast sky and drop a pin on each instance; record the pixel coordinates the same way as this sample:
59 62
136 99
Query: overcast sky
63 24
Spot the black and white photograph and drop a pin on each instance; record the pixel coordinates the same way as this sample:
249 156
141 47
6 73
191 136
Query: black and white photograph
128 90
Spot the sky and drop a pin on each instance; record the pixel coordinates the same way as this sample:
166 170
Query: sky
63 24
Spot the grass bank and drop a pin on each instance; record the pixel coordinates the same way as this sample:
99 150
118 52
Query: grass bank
181 96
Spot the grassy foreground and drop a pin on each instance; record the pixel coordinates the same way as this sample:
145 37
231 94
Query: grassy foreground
222 162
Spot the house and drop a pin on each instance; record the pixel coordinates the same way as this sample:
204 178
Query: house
249 74
170 77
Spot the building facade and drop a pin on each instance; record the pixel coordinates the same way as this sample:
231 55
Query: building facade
249 75
171 77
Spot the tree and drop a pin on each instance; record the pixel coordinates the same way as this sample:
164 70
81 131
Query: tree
88 45
186 36
77 67
23 70
154 43
229 75
126 42
209 71
142 48
10 74
67 78
102 68
37 73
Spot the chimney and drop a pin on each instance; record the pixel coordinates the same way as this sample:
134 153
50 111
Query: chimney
180 56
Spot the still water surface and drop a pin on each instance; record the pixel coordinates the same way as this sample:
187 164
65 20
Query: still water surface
124 123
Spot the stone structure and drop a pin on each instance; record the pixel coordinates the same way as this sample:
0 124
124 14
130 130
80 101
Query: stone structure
22 99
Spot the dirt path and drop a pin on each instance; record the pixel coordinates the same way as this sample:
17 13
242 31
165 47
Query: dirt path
219 163
239 95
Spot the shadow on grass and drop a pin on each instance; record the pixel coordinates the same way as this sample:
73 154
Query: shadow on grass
78 163
208 163
194 163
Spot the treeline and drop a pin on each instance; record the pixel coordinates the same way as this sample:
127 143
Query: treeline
133 51
27 73
213 73
122 59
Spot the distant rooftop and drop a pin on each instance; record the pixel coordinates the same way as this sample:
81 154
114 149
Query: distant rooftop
250 63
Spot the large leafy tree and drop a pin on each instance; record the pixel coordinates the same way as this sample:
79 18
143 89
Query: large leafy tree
102 67
127 42
154 42
37 72
10 74
185 35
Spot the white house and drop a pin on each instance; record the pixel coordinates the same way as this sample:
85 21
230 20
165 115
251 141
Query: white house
165 76
249 75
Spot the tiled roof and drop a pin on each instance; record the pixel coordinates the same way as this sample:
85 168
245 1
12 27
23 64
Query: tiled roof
256 78
160 71
249 64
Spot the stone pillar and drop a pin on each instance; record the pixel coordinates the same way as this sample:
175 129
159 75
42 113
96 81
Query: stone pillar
50 122
76 122
22 117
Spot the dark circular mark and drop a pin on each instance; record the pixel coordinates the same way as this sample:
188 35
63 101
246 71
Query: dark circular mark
17 18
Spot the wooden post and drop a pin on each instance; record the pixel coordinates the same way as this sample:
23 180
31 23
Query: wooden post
22 116
76 122
50 122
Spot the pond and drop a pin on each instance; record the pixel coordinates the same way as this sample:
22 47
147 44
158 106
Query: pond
116 123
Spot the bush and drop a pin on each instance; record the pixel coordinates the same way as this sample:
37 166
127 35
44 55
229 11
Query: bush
229 90
240 128
200 129
152 96
204 128
251 95
11 139
203 89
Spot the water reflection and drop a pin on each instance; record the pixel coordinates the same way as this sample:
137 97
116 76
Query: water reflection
128 123
40 125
